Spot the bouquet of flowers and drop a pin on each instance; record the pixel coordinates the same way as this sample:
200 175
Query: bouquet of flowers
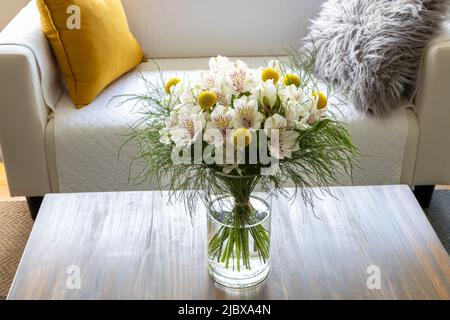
234 129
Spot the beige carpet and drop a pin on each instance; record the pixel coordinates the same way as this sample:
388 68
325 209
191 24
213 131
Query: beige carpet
15 228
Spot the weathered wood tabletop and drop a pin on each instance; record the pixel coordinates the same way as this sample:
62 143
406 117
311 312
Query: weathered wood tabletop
363 243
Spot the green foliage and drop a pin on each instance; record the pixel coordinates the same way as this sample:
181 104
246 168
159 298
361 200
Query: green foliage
326 150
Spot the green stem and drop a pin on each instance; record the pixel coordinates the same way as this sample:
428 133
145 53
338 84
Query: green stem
233 240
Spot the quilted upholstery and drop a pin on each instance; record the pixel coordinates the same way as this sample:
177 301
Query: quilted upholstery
88 140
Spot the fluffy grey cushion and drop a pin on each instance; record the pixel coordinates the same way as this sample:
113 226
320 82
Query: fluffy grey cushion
374 47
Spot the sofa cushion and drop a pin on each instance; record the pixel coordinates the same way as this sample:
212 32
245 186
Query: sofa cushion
374 48
92 44
203 28
87 141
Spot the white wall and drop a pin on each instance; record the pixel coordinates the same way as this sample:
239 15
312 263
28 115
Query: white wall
8 9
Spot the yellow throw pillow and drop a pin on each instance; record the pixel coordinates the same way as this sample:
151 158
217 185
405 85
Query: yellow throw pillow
92 43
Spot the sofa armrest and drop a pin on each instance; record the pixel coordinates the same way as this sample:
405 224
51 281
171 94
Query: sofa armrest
23 118
432 102
25 31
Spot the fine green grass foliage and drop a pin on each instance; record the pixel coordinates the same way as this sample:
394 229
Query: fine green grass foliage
325 153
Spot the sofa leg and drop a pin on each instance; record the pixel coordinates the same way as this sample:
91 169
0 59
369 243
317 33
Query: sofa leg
34 204
424 194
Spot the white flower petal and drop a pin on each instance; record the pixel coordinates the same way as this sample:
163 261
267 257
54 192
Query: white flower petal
247 114
276 122
267 94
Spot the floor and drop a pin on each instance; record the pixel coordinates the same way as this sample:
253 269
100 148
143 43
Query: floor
4 192
3 184
15 228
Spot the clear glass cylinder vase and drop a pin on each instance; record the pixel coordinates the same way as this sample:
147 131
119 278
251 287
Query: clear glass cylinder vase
239 240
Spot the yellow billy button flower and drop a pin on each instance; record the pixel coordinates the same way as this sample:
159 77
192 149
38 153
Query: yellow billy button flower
242 135
206 100
323 100
270 74
291 79
171 83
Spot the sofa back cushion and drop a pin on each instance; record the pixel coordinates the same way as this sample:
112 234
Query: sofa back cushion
202 28
94 51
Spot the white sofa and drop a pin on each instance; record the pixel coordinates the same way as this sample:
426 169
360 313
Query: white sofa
48 146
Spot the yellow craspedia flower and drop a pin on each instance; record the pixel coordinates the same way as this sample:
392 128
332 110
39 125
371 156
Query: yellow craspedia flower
242 135
206 100
171 83
323 100
270 74
291 79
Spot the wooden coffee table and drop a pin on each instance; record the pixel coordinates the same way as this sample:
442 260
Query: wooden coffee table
136 246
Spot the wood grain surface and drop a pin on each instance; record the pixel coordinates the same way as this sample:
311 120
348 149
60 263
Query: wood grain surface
137 246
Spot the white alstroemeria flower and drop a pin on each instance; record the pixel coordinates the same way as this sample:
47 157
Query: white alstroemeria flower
293 113
276 122
172 120
287 139
191 122
266 94
219 64
292 94
223 88
222 97
315 113
288 143
303 124
188 93
247 114
190 110
207 79
242 78
222 117
251 82
187 97
183 137
213 135
164 136
219 83
177 108
177 91
221 120
300 116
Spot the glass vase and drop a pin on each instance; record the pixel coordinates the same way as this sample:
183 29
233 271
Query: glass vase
239 227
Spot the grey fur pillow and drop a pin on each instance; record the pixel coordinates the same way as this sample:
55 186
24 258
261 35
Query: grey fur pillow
374 47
